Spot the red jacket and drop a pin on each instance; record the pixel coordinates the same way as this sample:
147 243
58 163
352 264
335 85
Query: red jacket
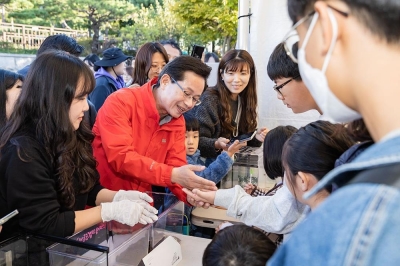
132 150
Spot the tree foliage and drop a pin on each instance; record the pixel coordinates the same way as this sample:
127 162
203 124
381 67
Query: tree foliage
152 24
210 20
35 12
145 3
134 22
100 14
93 15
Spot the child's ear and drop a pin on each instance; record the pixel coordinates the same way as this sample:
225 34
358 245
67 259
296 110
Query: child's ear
302 181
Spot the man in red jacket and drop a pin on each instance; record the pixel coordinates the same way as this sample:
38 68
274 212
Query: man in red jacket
140 133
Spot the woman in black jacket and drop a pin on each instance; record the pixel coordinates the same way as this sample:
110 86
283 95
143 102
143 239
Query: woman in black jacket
229 109
47 170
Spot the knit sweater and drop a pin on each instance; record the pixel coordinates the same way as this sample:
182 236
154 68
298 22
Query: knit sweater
208 113
216 170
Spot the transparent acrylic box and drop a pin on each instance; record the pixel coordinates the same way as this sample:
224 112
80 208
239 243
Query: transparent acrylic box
126 245
244 169
248 168
23 250
170 220
30 249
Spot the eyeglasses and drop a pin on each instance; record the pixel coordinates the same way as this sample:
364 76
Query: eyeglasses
278 88
157 67
292 38
196 100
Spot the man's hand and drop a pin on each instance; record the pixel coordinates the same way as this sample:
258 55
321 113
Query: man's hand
195 203
186 177
200 197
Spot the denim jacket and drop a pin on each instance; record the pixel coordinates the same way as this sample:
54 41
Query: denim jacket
359 224
216 170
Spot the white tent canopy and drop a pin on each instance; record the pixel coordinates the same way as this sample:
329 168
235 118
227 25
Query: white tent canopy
268 25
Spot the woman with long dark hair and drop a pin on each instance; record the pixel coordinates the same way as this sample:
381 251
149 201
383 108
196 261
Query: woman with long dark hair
47 169
10 88
229 109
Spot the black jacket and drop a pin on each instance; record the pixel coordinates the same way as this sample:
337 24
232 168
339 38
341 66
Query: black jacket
208 113
30 186
104 87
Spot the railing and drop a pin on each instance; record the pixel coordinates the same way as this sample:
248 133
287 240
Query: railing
31 37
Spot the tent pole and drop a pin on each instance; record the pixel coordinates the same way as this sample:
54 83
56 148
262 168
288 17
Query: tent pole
243 25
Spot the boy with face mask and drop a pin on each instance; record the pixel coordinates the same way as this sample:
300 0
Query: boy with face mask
349 58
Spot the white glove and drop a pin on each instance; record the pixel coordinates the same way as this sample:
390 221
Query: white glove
132 195
128 212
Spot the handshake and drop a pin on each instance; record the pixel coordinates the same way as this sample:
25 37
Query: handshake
129 207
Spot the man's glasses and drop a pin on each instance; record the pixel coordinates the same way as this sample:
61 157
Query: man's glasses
195 100
292 38
278 88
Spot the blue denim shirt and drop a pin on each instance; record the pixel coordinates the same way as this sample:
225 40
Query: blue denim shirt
359 224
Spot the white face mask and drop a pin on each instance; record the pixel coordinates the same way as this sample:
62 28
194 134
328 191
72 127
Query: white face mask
315 80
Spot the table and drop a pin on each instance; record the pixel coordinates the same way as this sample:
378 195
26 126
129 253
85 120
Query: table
211 217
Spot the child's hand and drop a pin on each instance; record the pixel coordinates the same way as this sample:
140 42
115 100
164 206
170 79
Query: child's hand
261 133
221 143
198 198
235 147
249 188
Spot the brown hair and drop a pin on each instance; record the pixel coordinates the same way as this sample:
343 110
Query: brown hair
232 61
144 59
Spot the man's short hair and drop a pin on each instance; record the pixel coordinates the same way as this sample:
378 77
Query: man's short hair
61 42
380 17
281 66
182 64
173 43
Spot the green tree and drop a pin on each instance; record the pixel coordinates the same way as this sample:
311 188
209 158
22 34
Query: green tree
209 20
93 15
3 4
144 3
152 24
100 14
39 12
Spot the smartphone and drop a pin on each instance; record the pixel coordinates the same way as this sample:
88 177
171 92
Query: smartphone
248 138
197 51
243 138
8 217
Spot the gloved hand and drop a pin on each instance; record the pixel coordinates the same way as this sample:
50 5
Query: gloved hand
132 195
128 212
